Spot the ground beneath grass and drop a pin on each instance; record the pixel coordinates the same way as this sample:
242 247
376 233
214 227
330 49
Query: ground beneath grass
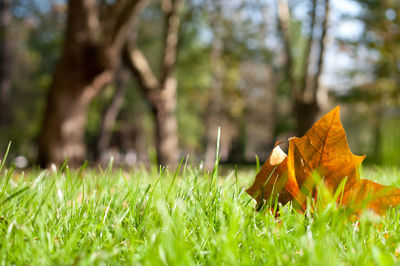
194 217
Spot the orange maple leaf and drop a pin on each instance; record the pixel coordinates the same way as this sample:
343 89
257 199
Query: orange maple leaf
322 151
272 180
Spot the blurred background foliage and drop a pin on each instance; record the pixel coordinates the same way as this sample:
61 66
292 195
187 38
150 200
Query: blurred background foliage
235 68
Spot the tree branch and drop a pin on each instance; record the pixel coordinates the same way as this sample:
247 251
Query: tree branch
109 12
307 52
320 59
137 62
110 113
128 14
171 9
284 25
83 21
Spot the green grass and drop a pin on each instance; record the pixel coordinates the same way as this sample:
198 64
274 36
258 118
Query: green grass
143 217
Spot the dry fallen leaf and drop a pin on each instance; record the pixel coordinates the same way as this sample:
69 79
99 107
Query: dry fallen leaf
323 151
273 180
367 194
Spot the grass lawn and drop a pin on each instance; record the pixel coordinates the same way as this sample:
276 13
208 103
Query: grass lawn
143 217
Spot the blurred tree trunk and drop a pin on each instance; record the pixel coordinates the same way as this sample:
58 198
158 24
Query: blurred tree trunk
164 110
5 69
161 92
305 103
284 21
110 114
306 106
89 57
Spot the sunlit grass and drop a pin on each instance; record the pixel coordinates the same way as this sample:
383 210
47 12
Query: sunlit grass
144 217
